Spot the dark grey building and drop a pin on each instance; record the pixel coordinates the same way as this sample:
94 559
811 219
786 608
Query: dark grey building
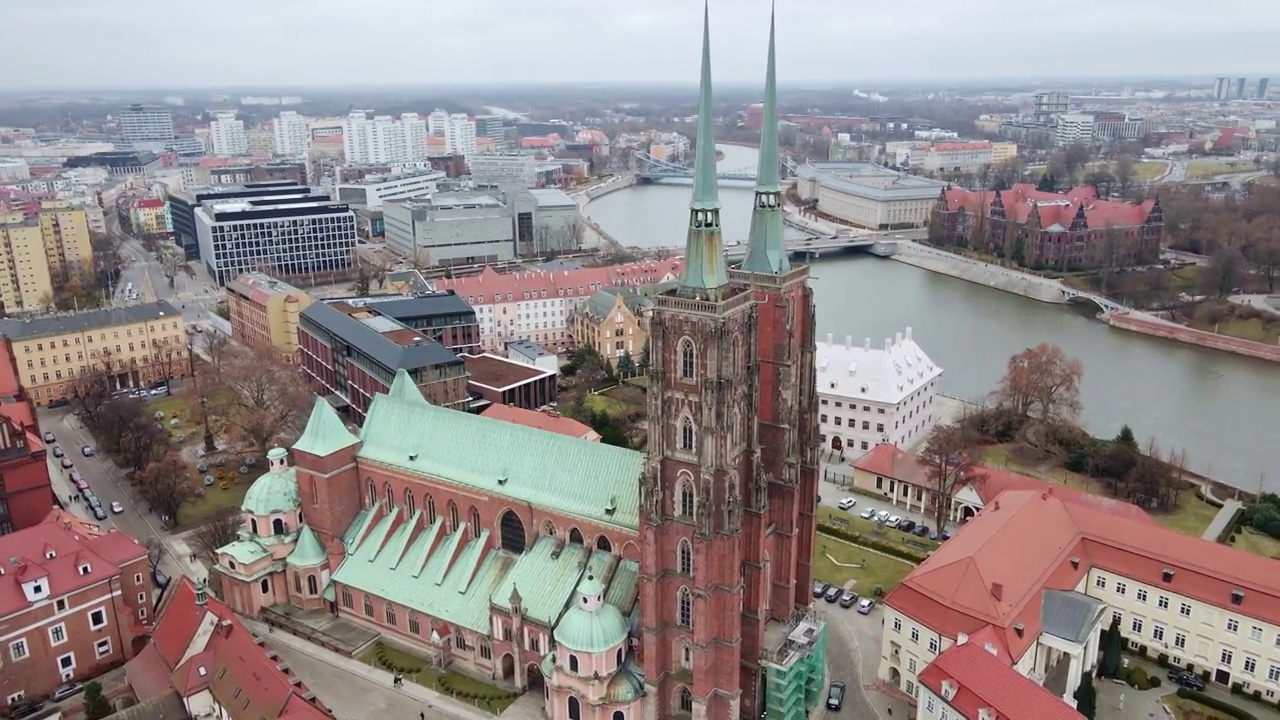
183 204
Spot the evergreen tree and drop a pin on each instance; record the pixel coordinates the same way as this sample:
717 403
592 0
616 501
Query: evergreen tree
1112 646
1048 183
1086 697
626 365
96 705
1126 439
643 364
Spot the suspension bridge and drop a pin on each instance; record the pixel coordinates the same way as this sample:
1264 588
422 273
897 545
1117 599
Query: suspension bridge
650 169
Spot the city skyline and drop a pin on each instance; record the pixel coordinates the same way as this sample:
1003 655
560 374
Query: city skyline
820 42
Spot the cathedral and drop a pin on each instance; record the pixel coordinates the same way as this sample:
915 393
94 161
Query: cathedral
673 583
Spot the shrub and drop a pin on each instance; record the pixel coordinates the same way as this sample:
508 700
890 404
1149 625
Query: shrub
1214 703
1154 681
1138 678
871 543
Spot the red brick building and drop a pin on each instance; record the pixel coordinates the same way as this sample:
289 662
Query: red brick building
25 493
1043 230
75 601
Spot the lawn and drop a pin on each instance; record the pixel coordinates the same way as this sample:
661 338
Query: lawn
875 569
1144 172
173 406
1251 540
605 404
1205 169
448 682
1184 709
215 499
1192 516
850 521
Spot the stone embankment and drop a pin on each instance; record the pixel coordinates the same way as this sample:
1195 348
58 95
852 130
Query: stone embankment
1192 336
617 182
980 273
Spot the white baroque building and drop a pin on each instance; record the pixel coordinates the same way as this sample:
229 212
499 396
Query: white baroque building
869 395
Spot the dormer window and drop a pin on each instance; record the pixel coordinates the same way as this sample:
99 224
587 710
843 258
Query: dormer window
948 689
85 569
50 554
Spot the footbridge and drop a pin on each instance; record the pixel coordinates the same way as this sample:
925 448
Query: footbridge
651 169
1106 305
815 246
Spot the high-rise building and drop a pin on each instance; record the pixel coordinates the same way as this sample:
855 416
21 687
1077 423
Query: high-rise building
490 126
1221 88
385 139
1240 82
460 135
292 133
727 503
1262 88
286 239
39 254
1048 104
228 135
146 128
437 121
414 130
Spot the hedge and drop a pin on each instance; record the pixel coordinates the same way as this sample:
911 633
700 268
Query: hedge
871 543
1213 703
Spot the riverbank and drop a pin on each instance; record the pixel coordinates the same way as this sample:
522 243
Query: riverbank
1191 336
615 183
979 273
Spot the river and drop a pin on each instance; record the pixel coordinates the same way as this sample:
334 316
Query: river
1222 409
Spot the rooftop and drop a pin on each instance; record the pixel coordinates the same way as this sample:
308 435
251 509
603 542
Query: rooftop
393 353
970 678
418 305
540 420
1019 201
260 286
870 180
529 349
552 198
499 373
64 323
885 375
490 286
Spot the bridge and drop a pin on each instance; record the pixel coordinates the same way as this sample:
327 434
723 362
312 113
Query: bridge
1107 306
649 168
814 246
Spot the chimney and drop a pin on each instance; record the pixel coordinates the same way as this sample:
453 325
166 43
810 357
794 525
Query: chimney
866 343
962 638
1167 575
888 344
1020 629
997 591
1075 562
908 333
830 338
848 342
897 339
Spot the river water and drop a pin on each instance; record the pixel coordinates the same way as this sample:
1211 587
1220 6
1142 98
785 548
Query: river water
1222 409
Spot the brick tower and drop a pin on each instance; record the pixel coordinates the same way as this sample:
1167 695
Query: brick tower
726 536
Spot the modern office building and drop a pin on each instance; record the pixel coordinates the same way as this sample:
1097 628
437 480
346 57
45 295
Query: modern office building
264 312
871 395
491 126
495 379
1221 88
1049 104
147 128
440 316
866 195
39 253
1072 128
284 239
183 204
505 169
454 228
371 191
137 345
546 221
292 134
1263 83
228 135
1240 83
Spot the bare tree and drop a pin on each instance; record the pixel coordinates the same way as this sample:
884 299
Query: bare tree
1042 382
90 392
221 530
165 486
260 395
1123 172
167 358
946 462
142 440
1225 272
216 348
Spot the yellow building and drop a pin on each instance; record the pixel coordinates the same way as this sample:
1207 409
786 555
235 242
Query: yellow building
39 253
139 345
613 322
265 311
1002 152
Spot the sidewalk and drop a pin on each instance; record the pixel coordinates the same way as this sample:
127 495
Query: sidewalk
355 667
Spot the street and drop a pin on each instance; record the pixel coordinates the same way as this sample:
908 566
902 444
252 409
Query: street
195 295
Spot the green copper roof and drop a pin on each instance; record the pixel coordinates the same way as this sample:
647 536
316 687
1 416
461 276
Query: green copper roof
545 575
325 433
503 459
404 388
766 247
273 492
245 552
591 631
410 565
625 586
626 685
704 266
308 551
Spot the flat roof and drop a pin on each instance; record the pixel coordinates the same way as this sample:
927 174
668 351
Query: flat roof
846 178
552 197
373 343
402 307
528 348
61 324
499 373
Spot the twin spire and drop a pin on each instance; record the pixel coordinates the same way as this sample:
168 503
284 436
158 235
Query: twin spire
705 271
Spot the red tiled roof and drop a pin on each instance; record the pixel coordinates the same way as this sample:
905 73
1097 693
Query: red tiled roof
491 286
983 681
991 481
1053 208
960 146
994 571
550 422
148 674
25 556
888 460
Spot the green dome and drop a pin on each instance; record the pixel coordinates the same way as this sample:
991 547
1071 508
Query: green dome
591 625
624 686
275 491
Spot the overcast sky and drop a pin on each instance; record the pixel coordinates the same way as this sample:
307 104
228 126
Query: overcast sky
200 43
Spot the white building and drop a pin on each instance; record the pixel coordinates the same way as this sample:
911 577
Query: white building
305 238
868 396
1073 128
444 229
14 169
504 169
292 134
531 353
415 132
460 135
146 128
385 139
373 190
868 196
228 135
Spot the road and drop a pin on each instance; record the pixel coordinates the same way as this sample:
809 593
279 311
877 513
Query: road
194 293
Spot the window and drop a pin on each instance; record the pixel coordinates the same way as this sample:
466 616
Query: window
933 645
410 506
297 583
347 601
684 609
1100 582
619 715
97 618
1273 674
390 613
266 585
573 663
475 523
312 585
684 700
453 517
1180 641
1162 602
102 648
686 498
18 649
460 641
684 559
897 624
911 664
1255 633
1250 665
915 635
575 707
1226 657
1184 610
368 606
686 434
414 626
373 493
1157 632
277 526
928 703
1136 626
391 496
1141 595
911 688
1121 588
58 634
67 662
1233 625
486 652
688 369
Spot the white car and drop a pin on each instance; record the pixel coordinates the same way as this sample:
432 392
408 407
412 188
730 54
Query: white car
883 516
847 503
117 508
865 605
868 514
893 521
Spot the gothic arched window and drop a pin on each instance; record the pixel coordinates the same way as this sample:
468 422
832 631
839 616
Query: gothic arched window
453 517
687 437
684 556
410 505
687 498
688 360
391 497
475 523
373 493
684 700
313 587
684 608
431 509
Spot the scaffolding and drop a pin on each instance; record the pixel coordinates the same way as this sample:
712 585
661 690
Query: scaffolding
794 665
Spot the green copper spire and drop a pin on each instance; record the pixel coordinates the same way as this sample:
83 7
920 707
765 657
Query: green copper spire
704 266
766 249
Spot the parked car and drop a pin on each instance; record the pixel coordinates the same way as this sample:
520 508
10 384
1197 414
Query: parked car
25 709
87 451
847 503
883 516
66 463
848 599
921 530
49 438
893 521
865 605
57 451
819 588
117 508
907 526
1188 680
65 691
940 536
159 578
867 514
157 391
835 696
833 594
58 403
99 513
82 486
75 476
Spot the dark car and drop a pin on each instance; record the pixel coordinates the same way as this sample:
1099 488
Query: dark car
848 599
835 696
819 588
921 531
99 513
907 526
25 709
159 578
940 537
833 593
1188 680
49 437
58 403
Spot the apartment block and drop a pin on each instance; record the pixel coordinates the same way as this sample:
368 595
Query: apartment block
228 135
137 345
371 190
292 134
265 311
37 252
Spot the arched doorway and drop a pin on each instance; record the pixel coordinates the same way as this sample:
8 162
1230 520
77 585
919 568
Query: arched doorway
966 513
508 667
837 445
534 675
895 677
